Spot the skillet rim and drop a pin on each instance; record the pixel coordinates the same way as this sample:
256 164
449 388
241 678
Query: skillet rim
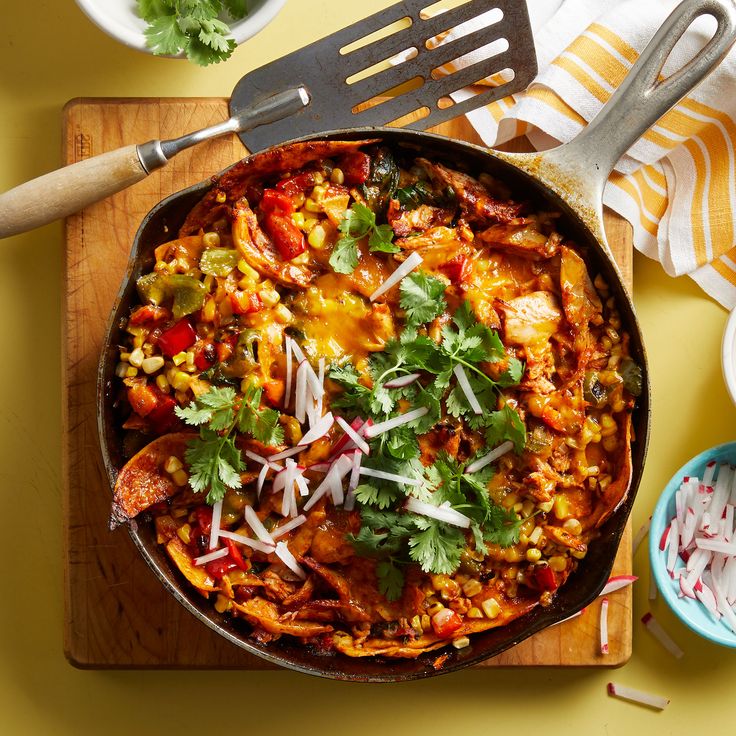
596 565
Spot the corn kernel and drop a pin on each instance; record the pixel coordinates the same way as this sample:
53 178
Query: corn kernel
153 364
178 513
518 506
208 310
573 526
558 563
510 500
298 219
125 357
318 192
435 608
311 206
247 270
461 642
222 603
545 507
137 357
172 464
309 223
472 587
533 555
121 370
184 532
298 200
317 237
579 554
181 381
131 372
528 508
610 443
416 624
318 177
474 612
211 240
180 477
490 607
221 197
190 358
535 535
302 259
426 622
270 297
283 315
179 358
561 507
337 176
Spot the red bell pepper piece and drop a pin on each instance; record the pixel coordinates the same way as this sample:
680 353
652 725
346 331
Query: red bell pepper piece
445 622
544 576
457 269
149 315
142 398
177 338
205 357
286 236
162 418
226 348
217 568
356 167
236 555
204 518
299 183
274 200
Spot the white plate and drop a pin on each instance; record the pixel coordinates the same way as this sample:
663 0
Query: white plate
119 19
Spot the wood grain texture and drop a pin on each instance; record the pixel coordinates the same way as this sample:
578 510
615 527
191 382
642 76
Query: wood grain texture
116 612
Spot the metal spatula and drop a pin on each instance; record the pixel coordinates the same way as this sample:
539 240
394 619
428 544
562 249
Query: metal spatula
340 81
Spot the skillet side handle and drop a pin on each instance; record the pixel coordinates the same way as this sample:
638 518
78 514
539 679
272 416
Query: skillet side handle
643 98
69 189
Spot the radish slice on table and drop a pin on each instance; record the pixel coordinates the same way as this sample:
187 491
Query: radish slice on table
604 626
616 582
655 628
637 696
403 270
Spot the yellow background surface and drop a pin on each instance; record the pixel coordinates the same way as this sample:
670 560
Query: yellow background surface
49 53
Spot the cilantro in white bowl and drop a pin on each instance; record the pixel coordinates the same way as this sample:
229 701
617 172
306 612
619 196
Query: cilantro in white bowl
202 31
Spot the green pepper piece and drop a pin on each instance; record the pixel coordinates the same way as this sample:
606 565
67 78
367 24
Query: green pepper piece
187 291
382 180
632 376
219 261
151 289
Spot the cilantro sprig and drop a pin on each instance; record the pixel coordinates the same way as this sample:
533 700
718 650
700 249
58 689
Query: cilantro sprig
214 460
192 26
357 223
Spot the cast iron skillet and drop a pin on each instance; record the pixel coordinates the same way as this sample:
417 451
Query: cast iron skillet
569 179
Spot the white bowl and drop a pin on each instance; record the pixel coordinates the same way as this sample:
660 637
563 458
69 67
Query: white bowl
120 19
728 355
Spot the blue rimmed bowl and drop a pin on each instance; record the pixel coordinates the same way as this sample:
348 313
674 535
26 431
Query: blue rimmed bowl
691 612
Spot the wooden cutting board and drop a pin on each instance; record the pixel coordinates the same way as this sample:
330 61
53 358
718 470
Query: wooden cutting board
116 612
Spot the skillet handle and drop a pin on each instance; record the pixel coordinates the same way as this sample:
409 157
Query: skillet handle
65 191
642 98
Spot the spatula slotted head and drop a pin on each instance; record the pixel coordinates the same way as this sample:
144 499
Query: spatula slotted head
351 84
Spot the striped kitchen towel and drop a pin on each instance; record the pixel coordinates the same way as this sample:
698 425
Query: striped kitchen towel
677 184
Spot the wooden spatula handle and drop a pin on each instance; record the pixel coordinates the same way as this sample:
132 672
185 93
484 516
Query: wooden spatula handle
68 190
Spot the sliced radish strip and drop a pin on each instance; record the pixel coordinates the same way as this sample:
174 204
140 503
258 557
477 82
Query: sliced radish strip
288 501
311 377
721 493
728 520
359 442
257 526
402 381
279 531
637 696
710 473
604 626
319 491
672 551
344 443
616 582
287 390
464 384
321 427
215 527
319 467
286 453
279 481
312 415
706 596
442 513
664 540
349 504
204 559
687 532
655 628
574 615
337 472
375 429
383 475
321 378
302 484
261 480
298 353
492 456
640 535
248 542
403 270
716 545
300 400
283 553
262 460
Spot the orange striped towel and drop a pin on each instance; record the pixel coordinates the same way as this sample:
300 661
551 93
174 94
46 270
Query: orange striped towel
677 184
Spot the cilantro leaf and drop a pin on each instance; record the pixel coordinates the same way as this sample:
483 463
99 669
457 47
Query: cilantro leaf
262 424
149 10
381 496
344 256
215 407
390 579
436 546
506 424
512 375
502 527
214 464
422 298
358 222
163 36
237 9
381 240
